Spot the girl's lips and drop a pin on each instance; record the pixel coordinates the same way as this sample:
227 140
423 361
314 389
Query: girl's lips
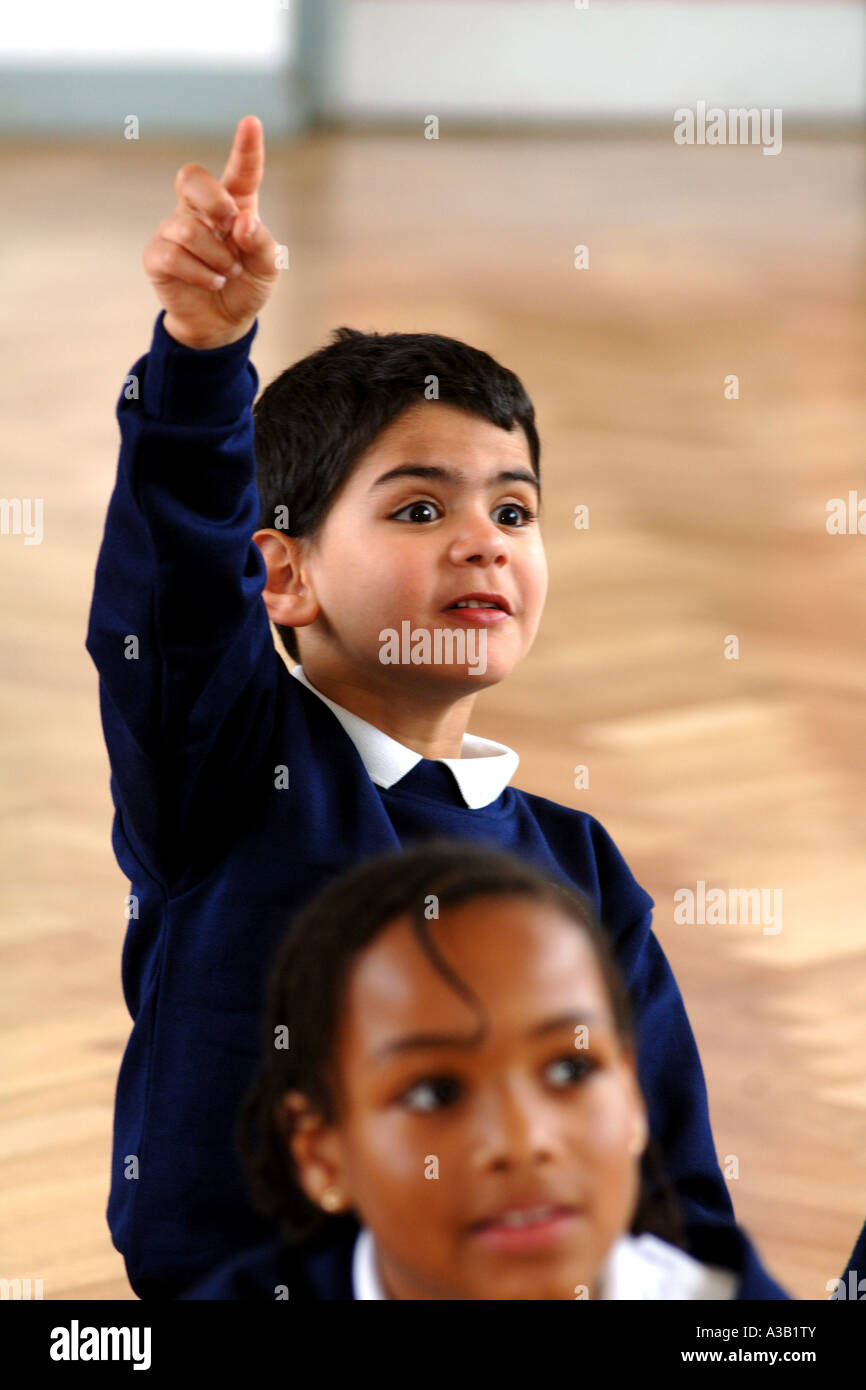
481 617
537 1235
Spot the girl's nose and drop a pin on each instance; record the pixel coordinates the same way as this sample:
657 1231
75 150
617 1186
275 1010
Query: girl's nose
517 1127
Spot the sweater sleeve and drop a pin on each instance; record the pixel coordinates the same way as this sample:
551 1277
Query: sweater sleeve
178 630
670 1071
672 1078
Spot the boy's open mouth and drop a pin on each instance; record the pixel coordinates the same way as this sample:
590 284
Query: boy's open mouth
485 608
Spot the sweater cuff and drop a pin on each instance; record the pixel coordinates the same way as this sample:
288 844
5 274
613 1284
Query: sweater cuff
197 386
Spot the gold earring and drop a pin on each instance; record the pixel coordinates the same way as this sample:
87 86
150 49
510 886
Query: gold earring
332 1199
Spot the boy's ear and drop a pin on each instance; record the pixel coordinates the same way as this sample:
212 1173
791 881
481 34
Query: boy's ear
288 593
317 1151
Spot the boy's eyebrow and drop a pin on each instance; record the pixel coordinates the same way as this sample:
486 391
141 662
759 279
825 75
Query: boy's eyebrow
418 1042
441 473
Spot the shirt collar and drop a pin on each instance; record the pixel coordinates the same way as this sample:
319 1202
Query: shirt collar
482 771
641 1267
366 1283
644 1267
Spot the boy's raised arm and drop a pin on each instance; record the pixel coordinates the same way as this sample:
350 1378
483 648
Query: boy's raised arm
178 630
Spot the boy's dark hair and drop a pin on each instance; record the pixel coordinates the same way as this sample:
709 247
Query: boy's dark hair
315 420
307 988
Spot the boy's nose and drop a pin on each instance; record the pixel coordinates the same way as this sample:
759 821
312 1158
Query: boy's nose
479 541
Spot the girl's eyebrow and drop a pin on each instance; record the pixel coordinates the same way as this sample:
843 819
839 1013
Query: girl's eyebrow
419 1042
444 474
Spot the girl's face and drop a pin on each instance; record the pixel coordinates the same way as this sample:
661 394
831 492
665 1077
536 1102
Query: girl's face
503 1168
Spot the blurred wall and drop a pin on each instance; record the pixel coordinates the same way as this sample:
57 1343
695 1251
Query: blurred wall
199 64
177 65
543 59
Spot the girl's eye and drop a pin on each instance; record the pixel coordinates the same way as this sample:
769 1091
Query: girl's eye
431 1094
570 1071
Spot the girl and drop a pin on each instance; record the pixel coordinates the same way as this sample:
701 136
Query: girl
449 1107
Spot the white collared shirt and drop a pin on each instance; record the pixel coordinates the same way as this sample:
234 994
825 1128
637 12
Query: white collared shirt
644 1267
482 771
635 1268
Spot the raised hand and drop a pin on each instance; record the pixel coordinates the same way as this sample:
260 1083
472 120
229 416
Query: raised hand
212 263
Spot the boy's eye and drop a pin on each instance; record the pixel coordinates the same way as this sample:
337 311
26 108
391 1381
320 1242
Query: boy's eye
414 508
516 507
570 1071
419 513
431 1094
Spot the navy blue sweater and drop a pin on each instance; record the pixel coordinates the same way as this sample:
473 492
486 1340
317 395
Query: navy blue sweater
199 710
323 1269
853 1281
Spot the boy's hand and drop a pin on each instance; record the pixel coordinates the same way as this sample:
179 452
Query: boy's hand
215 228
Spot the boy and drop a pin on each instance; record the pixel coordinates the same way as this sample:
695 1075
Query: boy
240 787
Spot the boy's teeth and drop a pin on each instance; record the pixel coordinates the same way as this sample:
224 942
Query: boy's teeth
474 603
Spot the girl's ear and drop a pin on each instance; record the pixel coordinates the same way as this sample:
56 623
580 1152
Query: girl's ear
640 1123
640 1134
317 1151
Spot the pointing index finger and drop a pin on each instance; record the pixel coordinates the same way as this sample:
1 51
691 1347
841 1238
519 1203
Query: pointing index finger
246 162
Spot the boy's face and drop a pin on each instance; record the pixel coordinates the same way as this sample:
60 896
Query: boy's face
503 1168
402 549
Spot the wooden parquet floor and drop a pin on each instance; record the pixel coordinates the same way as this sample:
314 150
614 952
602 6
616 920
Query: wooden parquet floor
707 519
